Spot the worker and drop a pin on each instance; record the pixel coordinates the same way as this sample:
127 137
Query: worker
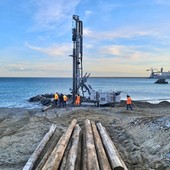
77 103
61 102
56 98
65 99
129 102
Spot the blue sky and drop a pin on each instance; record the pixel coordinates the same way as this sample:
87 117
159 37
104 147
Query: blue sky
121 37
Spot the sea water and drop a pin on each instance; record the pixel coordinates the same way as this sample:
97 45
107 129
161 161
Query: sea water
15 92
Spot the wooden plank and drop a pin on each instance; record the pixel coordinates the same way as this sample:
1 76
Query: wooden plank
56 156
116 161
102 157
31 161
92 162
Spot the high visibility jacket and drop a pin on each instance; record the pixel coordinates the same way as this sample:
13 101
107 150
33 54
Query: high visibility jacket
65 98
77 100
56 96
129 100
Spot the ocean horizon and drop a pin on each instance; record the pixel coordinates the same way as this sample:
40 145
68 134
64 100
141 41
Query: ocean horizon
15 91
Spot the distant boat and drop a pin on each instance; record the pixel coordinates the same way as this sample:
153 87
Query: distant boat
157 74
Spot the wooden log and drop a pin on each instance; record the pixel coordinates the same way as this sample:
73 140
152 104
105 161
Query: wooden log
102 157
64 159
55 158
84 150
31 161
116 161
46 108
47 150
72 155
92 162
79 165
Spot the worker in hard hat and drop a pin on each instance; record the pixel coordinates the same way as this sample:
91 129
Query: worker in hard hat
77 102
65 99
56 98
129 102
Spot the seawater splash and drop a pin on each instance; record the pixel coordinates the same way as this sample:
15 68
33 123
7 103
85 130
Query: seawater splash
157 101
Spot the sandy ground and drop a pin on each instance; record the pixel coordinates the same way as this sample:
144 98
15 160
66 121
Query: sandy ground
142 136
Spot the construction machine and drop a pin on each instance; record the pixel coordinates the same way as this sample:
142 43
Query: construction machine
80 85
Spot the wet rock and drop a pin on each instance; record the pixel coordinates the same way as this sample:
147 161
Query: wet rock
135 158
130 145
35 98
48 95
45 99
161 81
45 102
121 139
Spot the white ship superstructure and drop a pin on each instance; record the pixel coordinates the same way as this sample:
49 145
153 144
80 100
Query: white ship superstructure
157 74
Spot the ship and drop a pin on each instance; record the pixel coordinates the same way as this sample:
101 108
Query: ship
158 74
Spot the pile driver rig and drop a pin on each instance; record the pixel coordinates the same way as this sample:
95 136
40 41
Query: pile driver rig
79 81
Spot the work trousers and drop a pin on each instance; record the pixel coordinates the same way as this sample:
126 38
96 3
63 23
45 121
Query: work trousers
129 106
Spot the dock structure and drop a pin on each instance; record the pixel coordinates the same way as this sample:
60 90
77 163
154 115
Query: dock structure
89 148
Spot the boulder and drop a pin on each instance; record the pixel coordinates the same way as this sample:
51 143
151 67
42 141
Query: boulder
161 81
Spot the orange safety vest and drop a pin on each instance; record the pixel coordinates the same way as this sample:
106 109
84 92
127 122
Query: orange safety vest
77 100
56 96
65 98
129 100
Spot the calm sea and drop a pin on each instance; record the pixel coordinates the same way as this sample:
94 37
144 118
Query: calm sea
15 92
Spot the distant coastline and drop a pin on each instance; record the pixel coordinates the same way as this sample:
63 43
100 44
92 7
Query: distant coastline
71 77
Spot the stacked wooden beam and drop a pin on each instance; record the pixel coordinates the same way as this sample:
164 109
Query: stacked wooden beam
89 149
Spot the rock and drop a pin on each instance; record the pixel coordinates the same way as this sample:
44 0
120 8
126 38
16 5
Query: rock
35 98
48 95
45 101
161 81
135 158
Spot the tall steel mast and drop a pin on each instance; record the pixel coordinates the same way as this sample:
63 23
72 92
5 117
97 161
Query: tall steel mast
77 38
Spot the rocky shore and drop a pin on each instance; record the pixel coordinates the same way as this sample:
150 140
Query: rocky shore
142 135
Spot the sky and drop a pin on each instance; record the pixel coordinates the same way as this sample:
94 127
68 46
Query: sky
121 38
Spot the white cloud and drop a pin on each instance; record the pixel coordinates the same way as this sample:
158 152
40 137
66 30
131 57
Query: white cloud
107 7
53 50
40 69
134 55
114 67
165 2
87 32
52 13
88 12
126 33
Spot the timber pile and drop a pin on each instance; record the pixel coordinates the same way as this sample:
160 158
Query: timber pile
89 149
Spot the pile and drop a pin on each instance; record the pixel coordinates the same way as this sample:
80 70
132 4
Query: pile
90 148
